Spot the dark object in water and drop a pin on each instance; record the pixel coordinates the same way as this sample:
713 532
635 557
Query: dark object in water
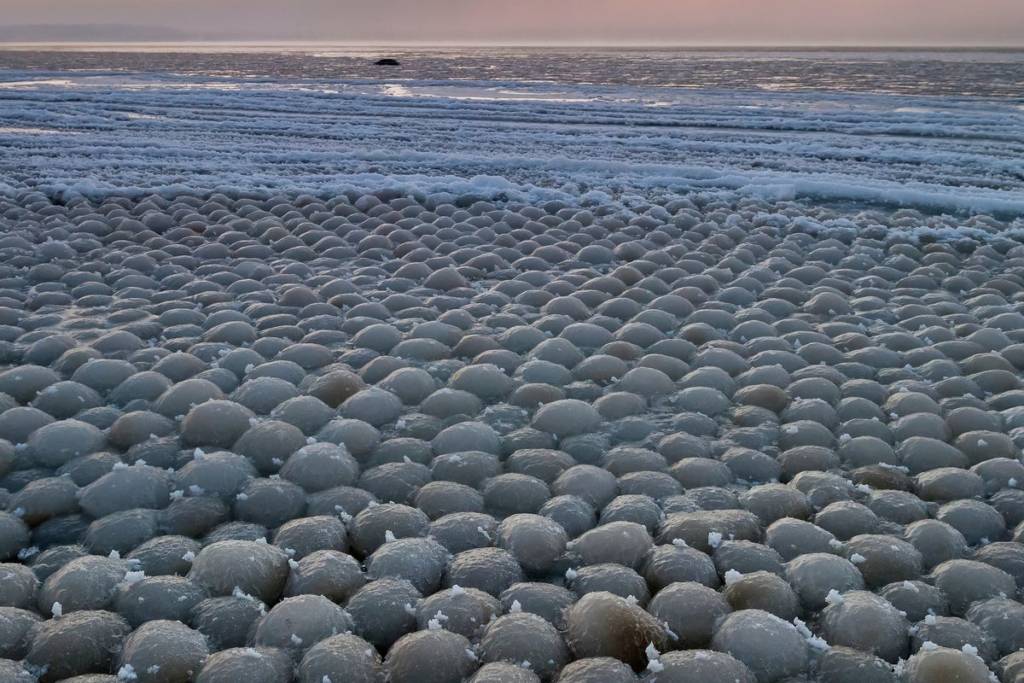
388 62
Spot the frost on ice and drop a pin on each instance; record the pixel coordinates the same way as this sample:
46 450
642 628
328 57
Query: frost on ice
769 145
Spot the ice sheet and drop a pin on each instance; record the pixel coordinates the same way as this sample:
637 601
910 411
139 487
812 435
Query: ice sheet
145 132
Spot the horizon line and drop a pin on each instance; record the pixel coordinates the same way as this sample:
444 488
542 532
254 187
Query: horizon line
258 42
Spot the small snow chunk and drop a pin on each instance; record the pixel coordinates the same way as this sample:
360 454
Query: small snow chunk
434 625
929 645
239 593
653 665
834 597
57 610
134 577
26 553
457 589
819 643
969 649
812 640
127 673
857 558
714 539
389 536
732 576
570 573
189 556
516 607
296 640
930 619
680 543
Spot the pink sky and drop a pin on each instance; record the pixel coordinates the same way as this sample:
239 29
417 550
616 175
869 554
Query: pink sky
759 22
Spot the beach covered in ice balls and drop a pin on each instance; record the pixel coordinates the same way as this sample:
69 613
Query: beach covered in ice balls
433 439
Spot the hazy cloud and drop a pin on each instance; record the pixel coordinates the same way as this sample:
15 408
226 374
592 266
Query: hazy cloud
691 21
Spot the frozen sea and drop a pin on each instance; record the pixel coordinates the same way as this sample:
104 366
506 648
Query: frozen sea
941 131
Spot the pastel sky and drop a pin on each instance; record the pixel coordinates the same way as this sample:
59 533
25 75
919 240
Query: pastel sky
763 22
